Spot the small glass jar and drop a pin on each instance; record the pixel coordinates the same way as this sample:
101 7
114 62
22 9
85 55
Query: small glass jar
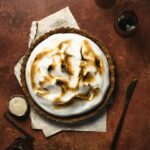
21 143
105 4
126 23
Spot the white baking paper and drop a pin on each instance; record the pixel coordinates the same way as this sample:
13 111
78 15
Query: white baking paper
62 18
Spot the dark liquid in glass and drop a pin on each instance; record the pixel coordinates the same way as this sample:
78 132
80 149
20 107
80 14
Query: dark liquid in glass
105 4
21 143
126 24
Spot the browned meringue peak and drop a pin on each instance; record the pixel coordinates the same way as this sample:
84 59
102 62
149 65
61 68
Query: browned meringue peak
90 58
64 45
66 65
87 52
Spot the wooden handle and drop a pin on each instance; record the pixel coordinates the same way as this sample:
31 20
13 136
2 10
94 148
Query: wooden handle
16 125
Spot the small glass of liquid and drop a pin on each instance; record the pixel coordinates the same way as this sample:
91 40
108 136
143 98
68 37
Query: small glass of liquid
105 4
126 23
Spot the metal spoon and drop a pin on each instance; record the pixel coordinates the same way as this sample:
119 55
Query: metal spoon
129 93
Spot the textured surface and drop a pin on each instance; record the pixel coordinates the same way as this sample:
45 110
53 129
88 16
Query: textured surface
132 57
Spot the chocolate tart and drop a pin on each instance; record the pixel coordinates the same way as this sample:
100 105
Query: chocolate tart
80 117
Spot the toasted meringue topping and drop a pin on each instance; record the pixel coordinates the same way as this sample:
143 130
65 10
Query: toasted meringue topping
67 70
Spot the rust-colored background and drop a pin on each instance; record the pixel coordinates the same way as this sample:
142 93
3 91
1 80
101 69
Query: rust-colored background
132 58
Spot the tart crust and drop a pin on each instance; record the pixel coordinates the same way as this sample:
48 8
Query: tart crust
71 119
